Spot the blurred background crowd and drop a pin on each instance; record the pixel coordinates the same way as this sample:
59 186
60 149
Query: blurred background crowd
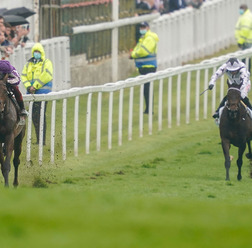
14 29
166 6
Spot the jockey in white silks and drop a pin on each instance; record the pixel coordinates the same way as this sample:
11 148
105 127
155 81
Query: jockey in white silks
238 76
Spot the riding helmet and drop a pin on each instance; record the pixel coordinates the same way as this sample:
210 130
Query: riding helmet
233 64
5 66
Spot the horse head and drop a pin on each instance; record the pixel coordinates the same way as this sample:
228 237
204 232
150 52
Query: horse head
233 102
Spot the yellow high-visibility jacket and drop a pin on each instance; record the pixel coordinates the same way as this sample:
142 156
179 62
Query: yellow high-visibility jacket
39 74
145 52
243 28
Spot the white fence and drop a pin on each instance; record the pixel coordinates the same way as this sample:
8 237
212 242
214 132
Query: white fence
192 33
89 124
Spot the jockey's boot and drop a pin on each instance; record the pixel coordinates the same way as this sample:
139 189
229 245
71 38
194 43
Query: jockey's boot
217 114
23 112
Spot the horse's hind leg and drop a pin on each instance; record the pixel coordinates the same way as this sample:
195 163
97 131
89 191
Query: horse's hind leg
239 160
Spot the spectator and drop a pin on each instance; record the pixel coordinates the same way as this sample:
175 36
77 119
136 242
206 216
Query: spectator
9 33
37 76
159 5
176 5
165 7
1 19
243 30
146 6
21 33
2 26
145 53
194 3
3 41
5 46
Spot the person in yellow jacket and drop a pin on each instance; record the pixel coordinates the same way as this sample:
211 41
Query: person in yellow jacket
145 56
37 77
243 30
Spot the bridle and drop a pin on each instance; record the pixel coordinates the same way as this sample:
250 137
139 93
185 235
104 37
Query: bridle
234 107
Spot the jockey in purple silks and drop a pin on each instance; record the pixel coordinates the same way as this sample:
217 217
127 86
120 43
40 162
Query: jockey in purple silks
13 81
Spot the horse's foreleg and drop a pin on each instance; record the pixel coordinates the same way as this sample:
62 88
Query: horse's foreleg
249 155
225 148
1 155
16 160
239 160
9 143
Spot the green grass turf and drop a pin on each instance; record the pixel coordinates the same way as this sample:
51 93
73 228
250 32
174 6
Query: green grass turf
163 190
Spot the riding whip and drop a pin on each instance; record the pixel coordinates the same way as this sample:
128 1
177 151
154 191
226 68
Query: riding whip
203 91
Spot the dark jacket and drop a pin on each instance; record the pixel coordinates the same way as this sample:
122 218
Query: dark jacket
175 5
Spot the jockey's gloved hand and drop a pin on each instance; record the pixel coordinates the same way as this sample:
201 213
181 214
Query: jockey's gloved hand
28 89
210 87
240 45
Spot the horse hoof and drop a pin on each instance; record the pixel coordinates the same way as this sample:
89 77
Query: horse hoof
248 155
239 178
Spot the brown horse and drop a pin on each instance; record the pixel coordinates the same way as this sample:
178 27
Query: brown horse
235 129
11 134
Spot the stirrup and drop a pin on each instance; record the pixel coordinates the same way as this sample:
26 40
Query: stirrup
23 112
21 121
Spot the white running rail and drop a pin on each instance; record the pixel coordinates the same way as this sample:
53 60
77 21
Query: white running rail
176 99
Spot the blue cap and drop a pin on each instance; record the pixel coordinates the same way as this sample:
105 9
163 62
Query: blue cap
144 24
